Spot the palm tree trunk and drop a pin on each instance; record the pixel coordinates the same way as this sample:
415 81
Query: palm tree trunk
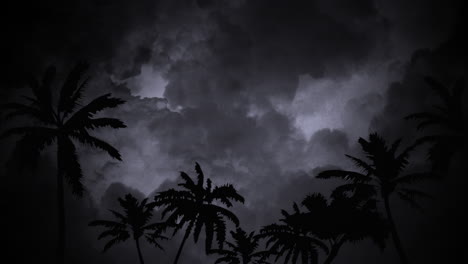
334 251
395 237
187 233
137 241
60 214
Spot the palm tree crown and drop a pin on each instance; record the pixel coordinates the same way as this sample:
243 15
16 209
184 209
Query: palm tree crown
449 114
448 118
134 222
382 173
243 249
195 206
61 122
292 239
344 219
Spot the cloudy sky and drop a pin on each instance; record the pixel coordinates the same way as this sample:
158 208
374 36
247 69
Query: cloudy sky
263 94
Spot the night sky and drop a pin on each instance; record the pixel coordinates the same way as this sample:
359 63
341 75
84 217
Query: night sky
263 94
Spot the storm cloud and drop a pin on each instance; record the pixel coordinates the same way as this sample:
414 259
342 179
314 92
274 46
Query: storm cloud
263 94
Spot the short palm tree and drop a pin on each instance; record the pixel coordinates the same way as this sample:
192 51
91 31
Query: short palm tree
133 222
195 206
292 239
243 249
61 122
344 219
448 119
382 174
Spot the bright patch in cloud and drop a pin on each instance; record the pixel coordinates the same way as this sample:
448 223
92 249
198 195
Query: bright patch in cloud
149 83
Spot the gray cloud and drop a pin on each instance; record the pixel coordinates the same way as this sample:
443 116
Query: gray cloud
264 94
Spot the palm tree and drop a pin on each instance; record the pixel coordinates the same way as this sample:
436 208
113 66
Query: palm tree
447 117
292 239
344 219
382 173
133 221
62 122
195 206
243 250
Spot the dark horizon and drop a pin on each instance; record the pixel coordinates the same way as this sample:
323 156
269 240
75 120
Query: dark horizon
280 102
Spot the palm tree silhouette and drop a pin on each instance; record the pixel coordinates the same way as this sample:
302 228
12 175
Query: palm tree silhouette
344 219
383 174
243 250
61 122
292 239
194 205
447 117
133 221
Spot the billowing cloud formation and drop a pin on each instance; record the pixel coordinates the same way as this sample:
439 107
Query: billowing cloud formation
263 94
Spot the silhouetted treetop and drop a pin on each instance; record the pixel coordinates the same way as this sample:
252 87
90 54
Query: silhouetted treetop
194 207
46 121
60 122
133 222
292 239
448 121
382 174
243 249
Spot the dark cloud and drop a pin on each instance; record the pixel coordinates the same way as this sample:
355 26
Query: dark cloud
264 94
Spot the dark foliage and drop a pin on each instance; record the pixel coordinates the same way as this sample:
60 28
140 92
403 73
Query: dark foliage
194 207
134 222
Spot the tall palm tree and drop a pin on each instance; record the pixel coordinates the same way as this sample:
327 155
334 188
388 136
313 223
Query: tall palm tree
133 222
195 206
243 249
62 121
344 219
448 118
382 174
292 239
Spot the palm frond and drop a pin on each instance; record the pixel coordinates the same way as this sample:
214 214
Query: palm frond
401 160
361 164
429 119
100 123
188 182
72 90
376 144
220 231
86 139
226 193
121 238
226 213
81 116
315 202
123 219
200 174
